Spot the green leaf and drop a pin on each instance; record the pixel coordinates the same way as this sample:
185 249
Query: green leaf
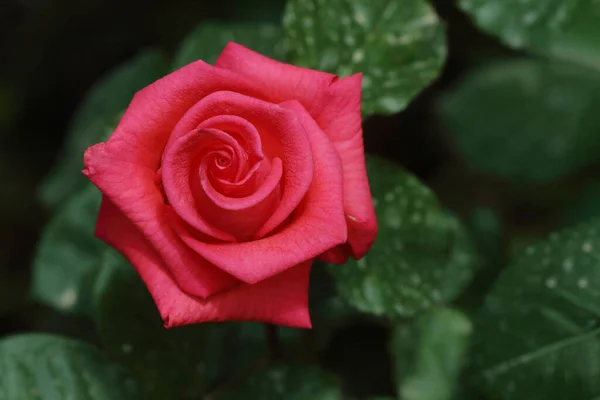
442 344
537 336
566 29
168 362
422 255
46 367
398 45
292 382
468 393
328 309
68 256
487 231
109 97
584 206
526 121
209 39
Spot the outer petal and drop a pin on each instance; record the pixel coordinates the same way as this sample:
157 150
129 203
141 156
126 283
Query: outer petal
281 300
125 167
317 225
155 110
335 106
144 206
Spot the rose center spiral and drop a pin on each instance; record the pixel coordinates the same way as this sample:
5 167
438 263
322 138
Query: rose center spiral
233 185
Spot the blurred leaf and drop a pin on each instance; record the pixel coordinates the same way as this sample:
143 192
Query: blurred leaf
209 39
586 205
47 367
519 242
487 230
399 46
443 336
95 116
566 29
489 236
327 308
468 393
422 255
134 334
68 255
537 334
292 382
526 121
168 362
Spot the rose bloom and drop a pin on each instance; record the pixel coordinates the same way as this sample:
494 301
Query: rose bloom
222 184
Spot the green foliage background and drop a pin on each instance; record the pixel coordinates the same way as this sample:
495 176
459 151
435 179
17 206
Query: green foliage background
482 131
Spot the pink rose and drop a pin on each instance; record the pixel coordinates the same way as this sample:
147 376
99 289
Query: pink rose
221 184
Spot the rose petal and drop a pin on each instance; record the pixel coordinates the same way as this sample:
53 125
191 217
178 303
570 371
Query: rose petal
243 131
335 106
281 300
189 271
282 135
178 162
223 202
125 167
154 111
241 216
247 184
282 82
317 225
337 255
182 182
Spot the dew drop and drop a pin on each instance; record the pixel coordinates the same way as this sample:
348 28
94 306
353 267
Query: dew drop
393 218
416 279
567 265
358 55
360 18
530 18
367 82
67 299
551 282
390 103
362 263
416 218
